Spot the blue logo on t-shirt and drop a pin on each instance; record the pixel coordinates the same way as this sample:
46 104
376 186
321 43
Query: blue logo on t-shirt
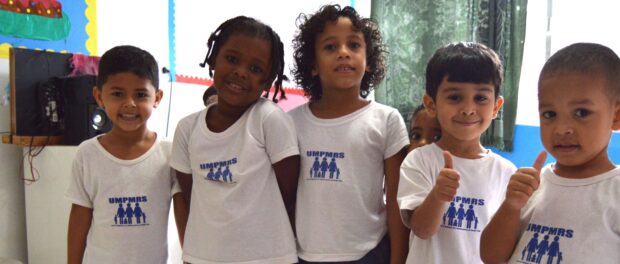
325 166
129 212
544 244
219 171
461 214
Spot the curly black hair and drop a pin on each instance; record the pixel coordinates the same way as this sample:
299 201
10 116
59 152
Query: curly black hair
253 28
126 58
309 27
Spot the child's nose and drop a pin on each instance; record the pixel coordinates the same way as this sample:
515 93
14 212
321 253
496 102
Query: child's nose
564 130
129 103
343 52
241 72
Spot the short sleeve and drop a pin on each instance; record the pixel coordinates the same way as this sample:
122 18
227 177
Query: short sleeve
280 136
414 185
179 156
77 193
397 137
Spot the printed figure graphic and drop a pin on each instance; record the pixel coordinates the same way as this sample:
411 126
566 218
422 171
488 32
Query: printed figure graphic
120 214
536 251
227 173
125 213
221 171
530 248
129 213
451 214
460 215
453 217
210 175
332 168
554 251
137 211
470 216
543 247
316 166
218 173
324 167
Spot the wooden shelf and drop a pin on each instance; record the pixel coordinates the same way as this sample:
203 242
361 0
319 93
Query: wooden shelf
31 140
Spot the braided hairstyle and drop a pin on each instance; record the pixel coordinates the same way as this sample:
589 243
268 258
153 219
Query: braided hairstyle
254 28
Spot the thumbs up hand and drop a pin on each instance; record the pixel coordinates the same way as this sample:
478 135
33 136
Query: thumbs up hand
447 182
524 182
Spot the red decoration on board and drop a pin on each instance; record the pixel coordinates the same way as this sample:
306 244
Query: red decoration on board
46 8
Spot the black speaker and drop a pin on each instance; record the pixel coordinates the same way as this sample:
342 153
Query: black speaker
83 119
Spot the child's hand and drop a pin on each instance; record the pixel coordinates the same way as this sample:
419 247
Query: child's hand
447 182
524 182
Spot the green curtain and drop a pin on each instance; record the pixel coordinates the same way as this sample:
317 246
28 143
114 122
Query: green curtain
414 29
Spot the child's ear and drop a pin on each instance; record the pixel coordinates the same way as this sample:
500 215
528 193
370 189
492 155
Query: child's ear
158 96
616 123
97 96
429 105
498 105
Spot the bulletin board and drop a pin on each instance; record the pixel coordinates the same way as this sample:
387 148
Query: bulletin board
66 26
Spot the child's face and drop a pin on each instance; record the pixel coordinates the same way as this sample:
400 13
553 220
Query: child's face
340 56
464 110
128 100
242 66
576 118
424 130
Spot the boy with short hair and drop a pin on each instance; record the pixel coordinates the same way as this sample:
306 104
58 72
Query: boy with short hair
449 189
121 183
569 211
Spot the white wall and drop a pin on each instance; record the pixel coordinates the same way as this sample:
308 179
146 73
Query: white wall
571 21
12 206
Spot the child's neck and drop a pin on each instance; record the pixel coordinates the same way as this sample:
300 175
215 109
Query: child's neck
471 149
221 116
337 104
594 167
128 145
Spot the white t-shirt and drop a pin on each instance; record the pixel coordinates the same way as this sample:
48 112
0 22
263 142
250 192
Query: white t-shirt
571 220
130 201
482 188
341 213
237 214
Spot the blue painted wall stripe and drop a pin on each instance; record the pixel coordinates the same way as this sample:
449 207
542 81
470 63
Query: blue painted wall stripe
352 3
171 47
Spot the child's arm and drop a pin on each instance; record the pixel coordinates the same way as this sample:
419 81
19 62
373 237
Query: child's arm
500 236
287 175
181 213
79 223
426 218
399 234
185 182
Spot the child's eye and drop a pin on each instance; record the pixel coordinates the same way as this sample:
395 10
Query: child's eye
436 138
329 47
354 45
231 59
116 94
582 113
454 97
415 136
256 69
547 114
142 94
481 98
